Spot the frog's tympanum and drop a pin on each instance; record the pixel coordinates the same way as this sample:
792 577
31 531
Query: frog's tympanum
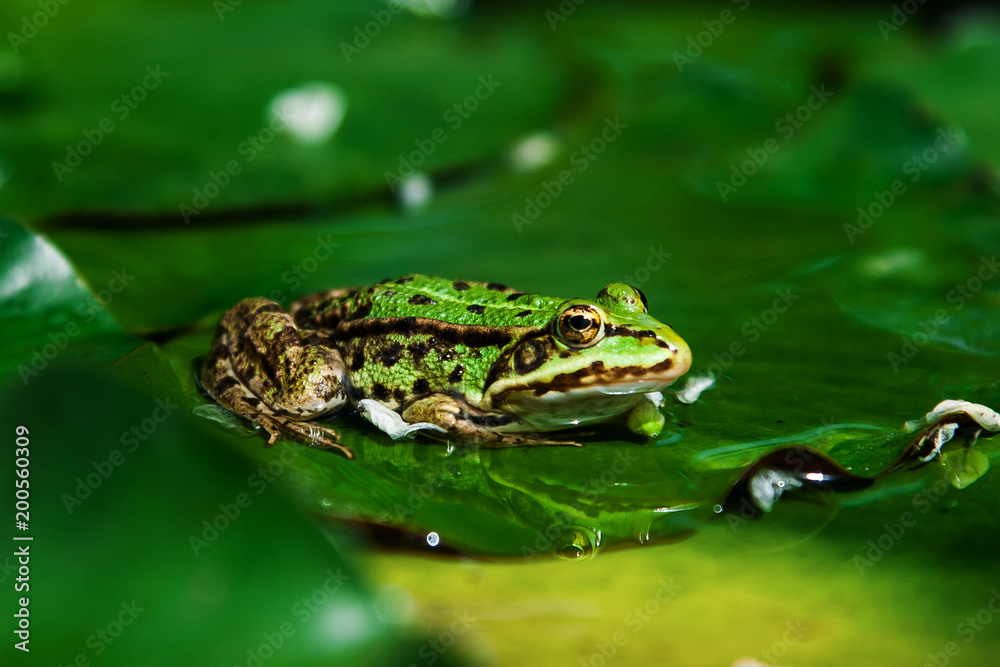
461 361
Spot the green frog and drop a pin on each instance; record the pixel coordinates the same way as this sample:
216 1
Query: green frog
460 361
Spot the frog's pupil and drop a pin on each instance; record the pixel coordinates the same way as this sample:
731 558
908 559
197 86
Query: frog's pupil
581 322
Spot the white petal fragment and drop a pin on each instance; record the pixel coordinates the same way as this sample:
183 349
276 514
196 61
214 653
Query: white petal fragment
767 486
390 422
695 385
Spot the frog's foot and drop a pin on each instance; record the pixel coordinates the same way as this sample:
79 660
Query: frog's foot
645 418
459 419
307 433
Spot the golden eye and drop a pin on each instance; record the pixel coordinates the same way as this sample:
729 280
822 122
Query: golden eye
580 326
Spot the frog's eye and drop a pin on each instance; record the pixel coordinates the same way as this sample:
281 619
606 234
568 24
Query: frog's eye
622 298
580 326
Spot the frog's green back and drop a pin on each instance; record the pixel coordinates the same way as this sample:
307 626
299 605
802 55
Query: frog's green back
457 301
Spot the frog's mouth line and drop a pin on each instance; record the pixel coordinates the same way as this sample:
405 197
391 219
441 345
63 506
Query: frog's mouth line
596 379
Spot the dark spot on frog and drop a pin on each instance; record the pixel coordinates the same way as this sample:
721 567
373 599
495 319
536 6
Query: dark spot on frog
389 354
404 280
361 310
421 386
497 287
357 359
421 300
515 296
611 330
530 354
355 393
268 307
380 392
489 420
565 354
267 369
452 334
460 285
478 310
523 313
418 350
224 385
456 374
399 396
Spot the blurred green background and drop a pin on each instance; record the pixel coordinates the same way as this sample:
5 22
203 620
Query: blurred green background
807 195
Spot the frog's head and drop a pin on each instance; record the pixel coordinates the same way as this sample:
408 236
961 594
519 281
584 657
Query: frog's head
594 359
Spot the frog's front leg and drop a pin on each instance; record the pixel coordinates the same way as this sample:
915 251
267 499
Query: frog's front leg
469 423
645 418
263 368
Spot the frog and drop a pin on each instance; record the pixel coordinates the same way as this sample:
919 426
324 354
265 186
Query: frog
458 361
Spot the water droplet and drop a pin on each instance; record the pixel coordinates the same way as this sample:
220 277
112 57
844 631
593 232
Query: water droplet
581 544
433 539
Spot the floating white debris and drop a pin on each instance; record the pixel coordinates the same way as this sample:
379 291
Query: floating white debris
696 384
389 421
985 417
767 486
312 111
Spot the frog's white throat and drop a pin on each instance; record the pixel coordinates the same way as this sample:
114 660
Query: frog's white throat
587 404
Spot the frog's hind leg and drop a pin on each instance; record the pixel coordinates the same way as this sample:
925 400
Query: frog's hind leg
471 424
262 369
